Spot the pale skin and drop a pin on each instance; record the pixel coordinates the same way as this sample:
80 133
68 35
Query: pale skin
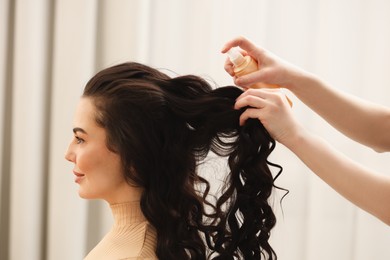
365 122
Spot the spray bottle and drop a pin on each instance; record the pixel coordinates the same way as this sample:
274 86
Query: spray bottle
246 64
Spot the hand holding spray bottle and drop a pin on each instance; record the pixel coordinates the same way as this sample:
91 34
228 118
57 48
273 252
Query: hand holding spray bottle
246 64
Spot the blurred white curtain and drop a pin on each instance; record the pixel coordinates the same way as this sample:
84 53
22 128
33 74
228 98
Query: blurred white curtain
49 49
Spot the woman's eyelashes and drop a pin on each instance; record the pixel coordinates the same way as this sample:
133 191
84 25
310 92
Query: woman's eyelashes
78 140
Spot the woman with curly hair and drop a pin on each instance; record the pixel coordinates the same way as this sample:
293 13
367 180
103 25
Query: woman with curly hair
139 137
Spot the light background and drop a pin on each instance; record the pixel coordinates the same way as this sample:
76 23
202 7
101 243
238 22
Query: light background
49 49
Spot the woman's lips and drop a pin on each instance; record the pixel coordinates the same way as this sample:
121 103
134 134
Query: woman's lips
79 177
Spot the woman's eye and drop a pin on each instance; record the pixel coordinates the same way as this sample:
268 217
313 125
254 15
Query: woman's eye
79 140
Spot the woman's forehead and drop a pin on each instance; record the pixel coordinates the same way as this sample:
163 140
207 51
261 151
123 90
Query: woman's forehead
85 116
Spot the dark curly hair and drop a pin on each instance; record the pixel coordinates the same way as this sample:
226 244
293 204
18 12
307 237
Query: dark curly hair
163 128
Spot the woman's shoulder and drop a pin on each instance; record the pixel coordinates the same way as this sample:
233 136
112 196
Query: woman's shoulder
136 242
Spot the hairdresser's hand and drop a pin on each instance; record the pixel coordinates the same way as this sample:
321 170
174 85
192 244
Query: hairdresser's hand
271 107
271 69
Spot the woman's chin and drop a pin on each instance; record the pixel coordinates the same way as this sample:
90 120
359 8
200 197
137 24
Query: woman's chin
85 195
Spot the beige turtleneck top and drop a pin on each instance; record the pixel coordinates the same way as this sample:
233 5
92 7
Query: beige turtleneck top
130 238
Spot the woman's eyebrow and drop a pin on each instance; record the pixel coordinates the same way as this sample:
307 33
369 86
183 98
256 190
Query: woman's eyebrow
78 129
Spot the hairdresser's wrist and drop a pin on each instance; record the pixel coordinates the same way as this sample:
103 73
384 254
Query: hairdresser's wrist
294 138
300 80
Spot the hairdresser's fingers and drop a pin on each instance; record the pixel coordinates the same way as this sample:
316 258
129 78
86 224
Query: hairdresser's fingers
250 113
255 101
277 120
262 93
248 48
267 93
229 67
252 78
244 44
264 73
273 101
272 109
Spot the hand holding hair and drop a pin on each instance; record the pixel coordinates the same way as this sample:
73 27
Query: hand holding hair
272 109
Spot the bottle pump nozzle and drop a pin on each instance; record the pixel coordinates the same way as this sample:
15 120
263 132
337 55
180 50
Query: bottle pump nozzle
235 57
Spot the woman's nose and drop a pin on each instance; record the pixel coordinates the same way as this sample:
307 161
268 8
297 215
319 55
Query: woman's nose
69 154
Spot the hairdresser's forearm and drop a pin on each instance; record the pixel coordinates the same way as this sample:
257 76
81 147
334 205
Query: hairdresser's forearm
367 189
365 122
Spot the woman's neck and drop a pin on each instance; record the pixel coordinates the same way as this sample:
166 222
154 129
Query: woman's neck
127 213
123 194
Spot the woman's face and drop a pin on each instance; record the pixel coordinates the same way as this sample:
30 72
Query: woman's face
96 169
